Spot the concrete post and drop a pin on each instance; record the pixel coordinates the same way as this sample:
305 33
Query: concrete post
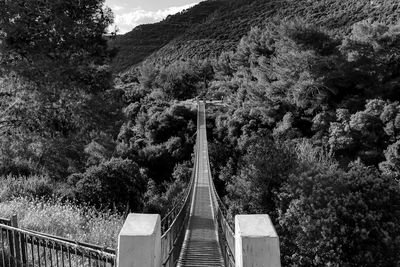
139 242
256 242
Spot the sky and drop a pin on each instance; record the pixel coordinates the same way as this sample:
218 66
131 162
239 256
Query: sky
131 13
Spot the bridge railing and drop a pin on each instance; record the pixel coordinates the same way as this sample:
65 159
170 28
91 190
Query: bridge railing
173 225
5 221
20 248
226 233
225 230
173 228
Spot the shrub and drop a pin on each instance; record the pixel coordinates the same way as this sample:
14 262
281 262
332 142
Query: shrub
262 170
115 183
313 157
337 218
163 202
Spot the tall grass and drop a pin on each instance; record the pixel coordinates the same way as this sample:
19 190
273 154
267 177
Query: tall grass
65 219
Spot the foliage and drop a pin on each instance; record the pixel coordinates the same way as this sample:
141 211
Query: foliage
161 199
158 136
340 218
213 27
366 133
261 170
136 45
114 183
391 165
56 85
68 32
28 187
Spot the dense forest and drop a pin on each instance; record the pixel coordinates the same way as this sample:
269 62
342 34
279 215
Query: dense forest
308 132
215 26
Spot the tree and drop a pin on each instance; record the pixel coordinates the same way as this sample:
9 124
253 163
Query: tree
63 34
392 164
366 133
65 97
338 218
373 53
116 182
263 169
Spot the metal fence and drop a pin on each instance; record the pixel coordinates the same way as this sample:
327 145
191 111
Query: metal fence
21 248
5 221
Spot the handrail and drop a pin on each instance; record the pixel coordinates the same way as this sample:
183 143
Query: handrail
168 219
78 243
225 228
22 248
5 221
175 222
170 216
8 222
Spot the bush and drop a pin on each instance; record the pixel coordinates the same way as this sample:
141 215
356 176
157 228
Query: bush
116 183
163 202
338 218
264 167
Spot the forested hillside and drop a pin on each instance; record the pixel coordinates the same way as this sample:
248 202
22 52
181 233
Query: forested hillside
215 26
141 42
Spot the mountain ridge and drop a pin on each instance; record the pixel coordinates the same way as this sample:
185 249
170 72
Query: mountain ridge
212 27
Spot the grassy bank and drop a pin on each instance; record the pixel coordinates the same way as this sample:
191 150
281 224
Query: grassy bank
65 220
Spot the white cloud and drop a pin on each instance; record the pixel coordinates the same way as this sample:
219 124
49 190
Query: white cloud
127 21
117 8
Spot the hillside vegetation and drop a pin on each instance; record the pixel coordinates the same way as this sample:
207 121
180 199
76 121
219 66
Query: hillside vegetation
142 41
216 26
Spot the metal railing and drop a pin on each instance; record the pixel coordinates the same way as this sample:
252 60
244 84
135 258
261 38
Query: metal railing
5 221
172 239
21 248
173 225
225 228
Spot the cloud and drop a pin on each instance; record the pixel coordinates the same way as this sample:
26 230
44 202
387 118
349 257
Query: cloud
117 8
127 21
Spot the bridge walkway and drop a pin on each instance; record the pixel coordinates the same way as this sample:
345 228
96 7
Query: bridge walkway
201 246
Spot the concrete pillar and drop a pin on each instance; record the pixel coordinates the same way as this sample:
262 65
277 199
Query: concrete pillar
139 242
256 242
